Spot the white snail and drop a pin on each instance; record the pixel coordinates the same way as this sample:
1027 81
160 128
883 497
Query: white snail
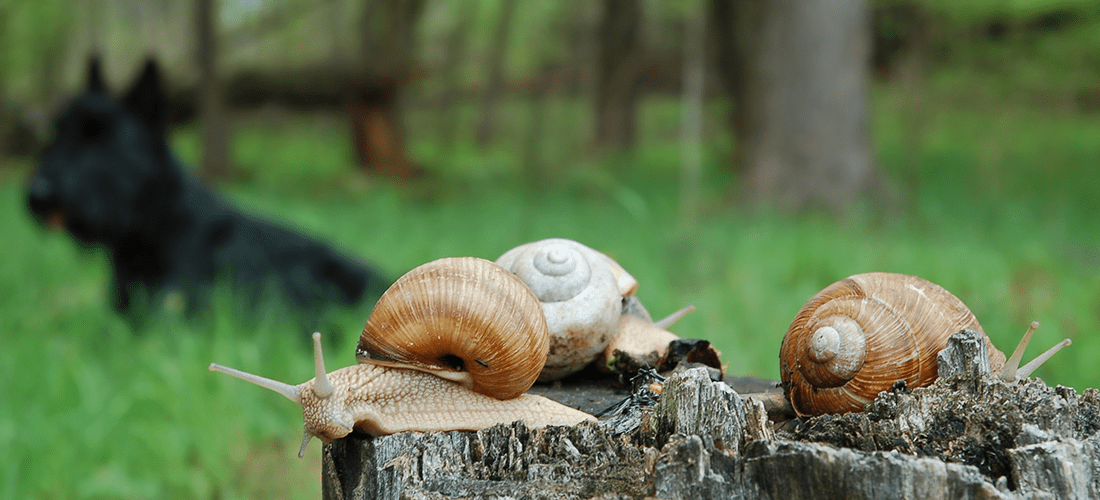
590 308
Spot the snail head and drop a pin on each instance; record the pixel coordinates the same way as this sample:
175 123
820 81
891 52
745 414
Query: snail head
326 417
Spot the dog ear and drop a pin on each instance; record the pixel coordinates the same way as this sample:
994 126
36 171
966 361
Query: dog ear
145 98
95 75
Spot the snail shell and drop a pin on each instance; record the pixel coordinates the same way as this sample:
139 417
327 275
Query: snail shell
860 335
581 291
464 319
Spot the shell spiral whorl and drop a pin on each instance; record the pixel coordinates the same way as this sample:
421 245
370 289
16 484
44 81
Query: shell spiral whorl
838 350
555 272
860 335
464 319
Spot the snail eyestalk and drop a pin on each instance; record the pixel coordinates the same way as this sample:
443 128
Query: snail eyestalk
674 317
291 392
321 386
1012 370
1025 371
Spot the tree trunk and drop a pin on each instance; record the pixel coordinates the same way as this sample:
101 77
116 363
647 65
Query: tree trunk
534 168
722 37
455 55
619 60
17 134
691 119
495 81
968 436
801 100
215 143
378 132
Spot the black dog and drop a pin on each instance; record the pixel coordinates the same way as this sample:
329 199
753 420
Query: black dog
109 177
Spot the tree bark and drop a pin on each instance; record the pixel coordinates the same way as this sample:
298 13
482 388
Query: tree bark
215 142
495 72
618 63
800 71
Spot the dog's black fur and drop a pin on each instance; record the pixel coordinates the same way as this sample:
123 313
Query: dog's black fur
109 177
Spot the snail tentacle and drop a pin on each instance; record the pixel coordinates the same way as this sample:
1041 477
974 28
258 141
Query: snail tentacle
1008 372
305 442
1026 370
1012 370
671 319
291 392
322 387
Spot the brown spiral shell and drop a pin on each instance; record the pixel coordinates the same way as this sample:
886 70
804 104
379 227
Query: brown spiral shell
860 335
462 318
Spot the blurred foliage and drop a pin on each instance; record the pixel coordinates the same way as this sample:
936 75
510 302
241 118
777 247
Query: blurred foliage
986 124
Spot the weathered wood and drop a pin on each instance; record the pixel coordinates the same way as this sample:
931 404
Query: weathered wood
967 436
967 354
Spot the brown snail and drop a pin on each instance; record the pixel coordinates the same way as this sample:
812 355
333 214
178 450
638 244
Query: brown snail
860 335
590 308
451 345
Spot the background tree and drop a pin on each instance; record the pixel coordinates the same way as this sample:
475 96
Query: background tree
212 119
619 60
691 114
799 72
388 62
456 44
495 71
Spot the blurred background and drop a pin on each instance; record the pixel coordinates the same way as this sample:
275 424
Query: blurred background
739 156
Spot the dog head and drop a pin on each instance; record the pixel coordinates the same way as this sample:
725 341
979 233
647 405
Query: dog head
107 166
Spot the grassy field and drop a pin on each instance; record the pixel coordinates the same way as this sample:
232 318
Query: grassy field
996 203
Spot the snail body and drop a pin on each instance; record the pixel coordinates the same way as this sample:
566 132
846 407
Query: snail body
641 341
861 335
452 345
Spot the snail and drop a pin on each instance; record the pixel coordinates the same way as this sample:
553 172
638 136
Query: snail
451 345
590 308
860 335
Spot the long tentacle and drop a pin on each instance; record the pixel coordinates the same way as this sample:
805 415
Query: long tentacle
674 317
1012 370
1025 371
1008 372
291 392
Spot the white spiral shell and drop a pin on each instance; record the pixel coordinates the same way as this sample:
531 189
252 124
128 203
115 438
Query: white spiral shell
581 291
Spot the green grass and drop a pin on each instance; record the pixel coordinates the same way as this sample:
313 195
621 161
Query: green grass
995 204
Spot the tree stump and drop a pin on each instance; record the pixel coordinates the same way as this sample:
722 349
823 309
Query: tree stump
966 436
